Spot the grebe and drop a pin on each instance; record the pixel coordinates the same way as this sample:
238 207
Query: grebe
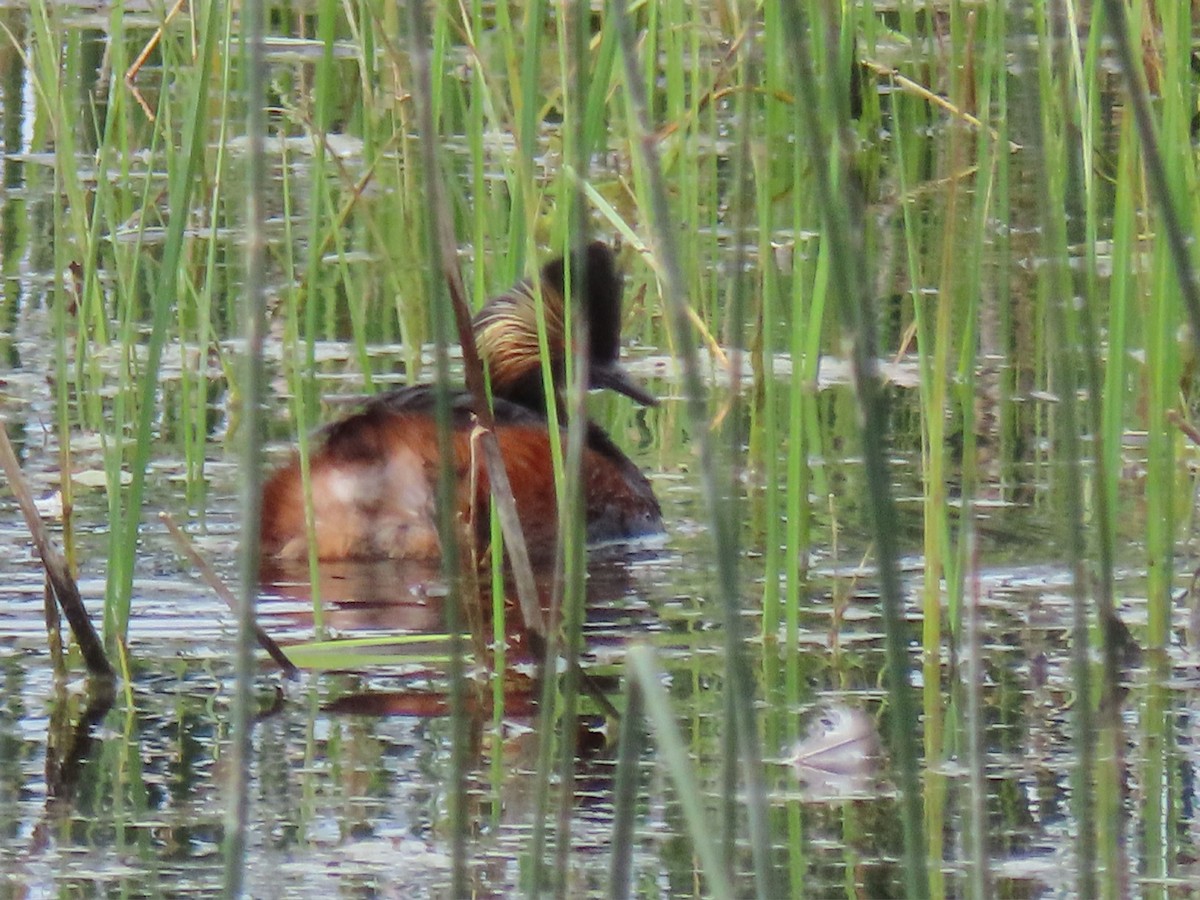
374 474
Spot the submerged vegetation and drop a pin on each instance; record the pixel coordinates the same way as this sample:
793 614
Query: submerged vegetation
916 284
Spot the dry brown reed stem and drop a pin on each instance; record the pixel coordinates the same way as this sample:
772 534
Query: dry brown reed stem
58 573
1186 427
917 89
132 72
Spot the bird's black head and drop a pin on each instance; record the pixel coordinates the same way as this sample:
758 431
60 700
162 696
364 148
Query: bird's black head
507 335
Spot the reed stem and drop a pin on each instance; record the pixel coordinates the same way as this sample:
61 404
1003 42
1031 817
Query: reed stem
253 391
843 236
724 526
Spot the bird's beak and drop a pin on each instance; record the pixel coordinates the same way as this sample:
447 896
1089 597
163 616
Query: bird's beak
615 378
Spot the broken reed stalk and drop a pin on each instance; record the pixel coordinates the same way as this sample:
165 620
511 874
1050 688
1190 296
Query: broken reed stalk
58 573
213 580
502 493
446 249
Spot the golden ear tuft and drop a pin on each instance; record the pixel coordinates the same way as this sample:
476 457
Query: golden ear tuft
506 333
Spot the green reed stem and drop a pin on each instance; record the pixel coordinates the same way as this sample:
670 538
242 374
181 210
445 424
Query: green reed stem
1169 168
253 392
478 103
304 382
798 482
1065 336
1166 181
766 439
113 438
643 670
568 584
1157 175
742 196
843 235
1083 230
937 349
48 65
960 286
629 752
300 374
780 553
979 880
724 526
477 99
441 320
1156 716
194 383
182 182
526 106
575 78
1113 403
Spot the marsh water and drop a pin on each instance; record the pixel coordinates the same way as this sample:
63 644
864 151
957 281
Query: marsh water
351 762
354 802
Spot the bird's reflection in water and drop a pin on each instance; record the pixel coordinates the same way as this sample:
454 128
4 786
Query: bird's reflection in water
405 597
